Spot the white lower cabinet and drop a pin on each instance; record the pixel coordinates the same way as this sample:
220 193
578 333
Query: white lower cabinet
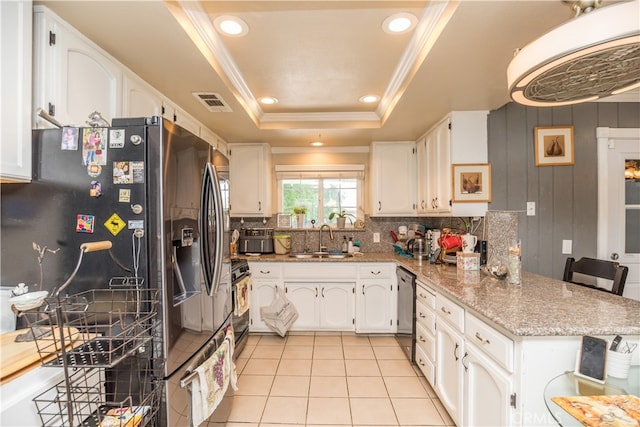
262 293
264 279
322 306
374 313
337 306
328 296
488 391
449 370
470 364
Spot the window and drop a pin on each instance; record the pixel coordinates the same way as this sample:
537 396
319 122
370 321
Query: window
320 192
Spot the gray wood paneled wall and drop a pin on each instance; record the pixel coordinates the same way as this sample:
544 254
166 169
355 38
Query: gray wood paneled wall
565 196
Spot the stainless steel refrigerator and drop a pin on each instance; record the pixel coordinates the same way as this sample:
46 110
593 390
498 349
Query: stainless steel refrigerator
161 195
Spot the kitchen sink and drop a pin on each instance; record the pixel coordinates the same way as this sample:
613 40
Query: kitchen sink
323 254
303 255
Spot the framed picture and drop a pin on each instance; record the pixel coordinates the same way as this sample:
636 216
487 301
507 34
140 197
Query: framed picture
554 145
284 220
471 182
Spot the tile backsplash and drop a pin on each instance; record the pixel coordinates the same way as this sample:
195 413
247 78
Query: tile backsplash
307 238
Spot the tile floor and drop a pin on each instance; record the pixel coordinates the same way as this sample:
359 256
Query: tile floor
328 380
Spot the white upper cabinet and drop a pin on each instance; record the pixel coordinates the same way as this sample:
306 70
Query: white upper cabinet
250 174
15 86
174 113
139 99
393 178
460 137
72 76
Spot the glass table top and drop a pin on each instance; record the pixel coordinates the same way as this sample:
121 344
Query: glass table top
568 384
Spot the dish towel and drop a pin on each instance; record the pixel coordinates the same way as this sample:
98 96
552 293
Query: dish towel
242 297
213 378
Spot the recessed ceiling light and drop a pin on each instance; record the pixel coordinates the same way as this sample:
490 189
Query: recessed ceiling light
399 23
268 100
369 99
318 142
231 26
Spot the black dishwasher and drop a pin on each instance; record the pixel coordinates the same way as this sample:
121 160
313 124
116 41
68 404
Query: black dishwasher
406 334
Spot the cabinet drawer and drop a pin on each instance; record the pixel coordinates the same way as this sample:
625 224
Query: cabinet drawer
492 342
319 271
450 311
264 270
377 271
426 342
425 296
425 317
426 366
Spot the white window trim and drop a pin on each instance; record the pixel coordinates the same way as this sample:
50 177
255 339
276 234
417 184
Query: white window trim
323 172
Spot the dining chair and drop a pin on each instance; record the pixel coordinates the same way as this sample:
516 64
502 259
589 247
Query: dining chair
597 268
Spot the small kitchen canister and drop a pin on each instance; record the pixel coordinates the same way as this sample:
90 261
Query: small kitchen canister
618 364
282 244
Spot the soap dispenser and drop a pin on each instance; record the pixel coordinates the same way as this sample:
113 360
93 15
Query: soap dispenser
345 247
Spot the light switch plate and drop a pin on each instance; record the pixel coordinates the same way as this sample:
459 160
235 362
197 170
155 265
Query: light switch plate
376 237
567 246
531 208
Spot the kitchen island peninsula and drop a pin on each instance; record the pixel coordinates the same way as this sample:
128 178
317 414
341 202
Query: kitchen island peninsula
488 348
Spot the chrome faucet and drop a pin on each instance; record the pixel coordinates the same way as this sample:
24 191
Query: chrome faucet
320 237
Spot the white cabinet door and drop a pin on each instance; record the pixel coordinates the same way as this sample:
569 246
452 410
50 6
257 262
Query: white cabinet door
438 169
337 306
15 86
72 76
393 176
449 370
304 297
422 171
138 98
250 173
374 300
261 293
487 391
171 111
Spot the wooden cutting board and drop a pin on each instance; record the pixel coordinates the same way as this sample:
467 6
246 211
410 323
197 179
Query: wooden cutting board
17 358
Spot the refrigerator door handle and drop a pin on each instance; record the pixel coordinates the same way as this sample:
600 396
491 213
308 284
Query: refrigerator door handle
211 214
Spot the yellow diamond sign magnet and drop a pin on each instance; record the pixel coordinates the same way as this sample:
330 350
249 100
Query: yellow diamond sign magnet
115 224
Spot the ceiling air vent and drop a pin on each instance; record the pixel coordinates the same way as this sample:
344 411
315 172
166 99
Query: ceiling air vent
213 102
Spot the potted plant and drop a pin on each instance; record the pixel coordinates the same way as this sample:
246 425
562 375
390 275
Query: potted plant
341 218
300 213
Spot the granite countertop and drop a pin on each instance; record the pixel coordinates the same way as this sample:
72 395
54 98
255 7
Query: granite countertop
540 306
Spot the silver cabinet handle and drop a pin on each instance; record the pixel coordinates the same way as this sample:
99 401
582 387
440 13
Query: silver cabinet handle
316 292
420 362
422 316
444 310
455 352
265 272
379 206
259 206
479 337
466 368
322 292
375 273
362 289
421 338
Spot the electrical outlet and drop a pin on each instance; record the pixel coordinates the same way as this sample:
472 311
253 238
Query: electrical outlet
567 246
531 208
376 237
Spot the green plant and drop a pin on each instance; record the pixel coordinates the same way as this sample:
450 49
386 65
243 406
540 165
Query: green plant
342 214
300 210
